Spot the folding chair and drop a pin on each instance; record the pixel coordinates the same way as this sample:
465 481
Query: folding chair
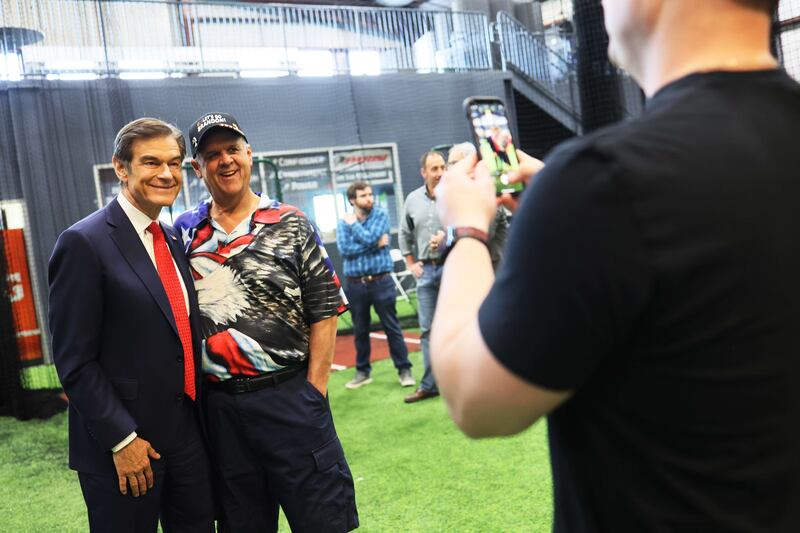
399 275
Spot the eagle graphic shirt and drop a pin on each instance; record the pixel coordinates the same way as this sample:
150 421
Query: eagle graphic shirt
259 287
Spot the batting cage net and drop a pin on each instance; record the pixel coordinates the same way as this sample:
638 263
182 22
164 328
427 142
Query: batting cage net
326 95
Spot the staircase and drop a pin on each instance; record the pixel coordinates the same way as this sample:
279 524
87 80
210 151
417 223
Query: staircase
543 69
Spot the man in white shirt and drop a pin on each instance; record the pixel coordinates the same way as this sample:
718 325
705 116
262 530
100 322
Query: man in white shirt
123 317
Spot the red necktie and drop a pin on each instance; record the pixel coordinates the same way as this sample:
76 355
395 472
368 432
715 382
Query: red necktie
169 278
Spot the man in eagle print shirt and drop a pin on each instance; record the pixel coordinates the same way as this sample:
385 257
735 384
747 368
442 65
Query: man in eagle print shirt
269 300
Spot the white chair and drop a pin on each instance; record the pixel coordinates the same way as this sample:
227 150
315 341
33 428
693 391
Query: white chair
399 275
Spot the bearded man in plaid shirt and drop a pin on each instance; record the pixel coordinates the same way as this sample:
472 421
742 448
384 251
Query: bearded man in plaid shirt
363 240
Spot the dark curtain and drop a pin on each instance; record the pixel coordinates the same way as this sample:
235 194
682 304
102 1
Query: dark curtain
54 132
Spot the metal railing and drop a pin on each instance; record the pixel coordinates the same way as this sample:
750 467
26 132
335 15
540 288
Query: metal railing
158 38
86 39
534 56
548 61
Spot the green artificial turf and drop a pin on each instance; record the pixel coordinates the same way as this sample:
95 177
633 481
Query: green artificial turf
38 491
413 470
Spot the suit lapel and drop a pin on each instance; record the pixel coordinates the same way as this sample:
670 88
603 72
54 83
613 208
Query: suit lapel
132 249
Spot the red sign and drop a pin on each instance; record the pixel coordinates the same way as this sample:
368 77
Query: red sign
29 337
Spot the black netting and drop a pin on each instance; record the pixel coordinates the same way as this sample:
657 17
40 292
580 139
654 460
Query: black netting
599 81
311 134
302 80
788 36
11 397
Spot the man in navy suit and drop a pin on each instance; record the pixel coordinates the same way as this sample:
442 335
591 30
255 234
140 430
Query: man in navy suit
123 317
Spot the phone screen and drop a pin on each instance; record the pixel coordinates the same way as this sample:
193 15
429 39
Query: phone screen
489 124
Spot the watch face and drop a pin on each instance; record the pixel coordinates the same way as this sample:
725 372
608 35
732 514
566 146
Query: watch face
451 236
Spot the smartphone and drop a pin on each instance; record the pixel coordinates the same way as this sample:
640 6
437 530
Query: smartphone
492 137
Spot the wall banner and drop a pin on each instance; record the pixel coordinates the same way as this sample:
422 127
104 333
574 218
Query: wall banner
20 292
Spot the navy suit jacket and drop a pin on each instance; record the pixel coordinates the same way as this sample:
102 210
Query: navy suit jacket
115 342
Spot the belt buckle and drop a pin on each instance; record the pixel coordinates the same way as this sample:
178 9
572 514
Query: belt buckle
239 386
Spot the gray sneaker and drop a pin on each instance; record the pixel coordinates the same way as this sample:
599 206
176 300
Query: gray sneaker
406 379
361 378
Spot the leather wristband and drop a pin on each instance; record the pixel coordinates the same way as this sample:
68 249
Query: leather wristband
454 234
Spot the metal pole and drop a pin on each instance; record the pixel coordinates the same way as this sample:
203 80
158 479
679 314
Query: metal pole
103 36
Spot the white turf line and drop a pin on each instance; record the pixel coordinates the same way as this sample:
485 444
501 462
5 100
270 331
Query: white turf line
336 367
384 337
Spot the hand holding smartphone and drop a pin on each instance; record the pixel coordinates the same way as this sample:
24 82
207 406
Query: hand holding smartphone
492 137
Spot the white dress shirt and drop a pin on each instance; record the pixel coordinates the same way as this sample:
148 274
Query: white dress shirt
140 222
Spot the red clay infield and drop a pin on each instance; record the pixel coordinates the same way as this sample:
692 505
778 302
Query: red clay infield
345 354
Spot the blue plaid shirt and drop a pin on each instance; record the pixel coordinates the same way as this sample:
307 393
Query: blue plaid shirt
358 244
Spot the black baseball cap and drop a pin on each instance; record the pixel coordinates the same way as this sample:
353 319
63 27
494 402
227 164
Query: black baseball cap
208 122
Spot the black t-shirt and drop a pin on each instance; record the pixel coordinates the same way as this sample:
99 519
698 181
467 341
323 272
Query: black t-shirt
655 269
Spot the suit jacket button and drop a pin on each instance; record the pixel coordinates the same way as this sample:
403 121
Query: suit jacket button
179 397
179 359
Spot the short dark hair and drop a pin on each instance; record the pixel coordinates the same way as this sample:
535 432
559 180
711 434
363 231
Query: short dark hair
352 190
424 159
144 128
764 5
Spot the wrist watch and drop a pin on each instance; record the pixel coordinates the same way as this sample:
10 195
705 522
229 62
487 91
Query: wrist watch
455 233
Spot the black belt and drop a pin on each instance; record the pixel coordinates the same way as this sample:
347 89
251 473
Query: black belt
369 278
242 384
437 261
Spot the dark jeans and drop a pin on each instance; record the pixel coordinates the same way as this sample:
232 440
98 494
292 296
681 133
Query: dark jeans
382 296
278 446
